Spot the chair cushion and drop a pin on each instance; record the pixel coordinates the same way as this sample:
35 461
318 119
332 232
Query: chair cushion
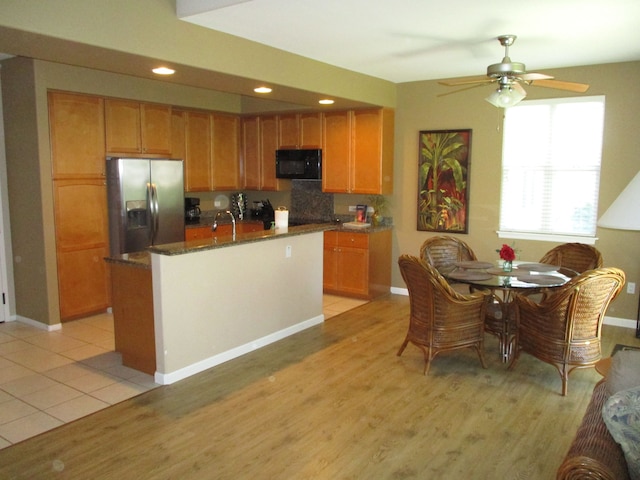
624 372
621 414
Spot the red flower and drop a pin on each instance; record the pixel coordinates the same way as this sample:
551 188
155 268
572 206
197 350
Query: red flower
507 253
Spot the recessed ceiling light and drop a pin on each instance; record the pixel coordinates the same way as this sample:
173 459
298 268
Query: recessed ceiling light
163 71
326 101
262 90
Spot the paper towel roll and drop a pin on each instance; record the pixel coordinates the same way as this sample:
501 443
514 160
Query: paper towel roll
282 218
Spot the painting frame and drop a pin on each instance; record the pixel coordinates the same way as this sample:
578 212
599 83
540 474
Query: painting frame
444 161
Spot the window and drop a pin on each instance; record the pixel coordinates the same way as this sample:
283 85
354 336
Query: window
551 169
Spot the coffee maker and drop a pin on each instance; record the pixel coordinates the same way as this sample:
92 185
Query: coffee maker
192 210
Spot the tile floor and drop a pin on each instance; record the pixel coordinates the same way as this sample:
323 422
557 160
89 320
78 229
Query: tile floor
51 378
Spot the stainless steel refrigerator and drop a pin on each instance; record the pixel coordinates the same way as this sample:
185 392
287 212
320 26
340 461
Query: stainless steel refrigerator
146 203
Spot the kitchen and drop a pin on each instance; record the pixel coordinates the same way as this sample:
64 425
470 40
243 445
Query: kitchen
81 182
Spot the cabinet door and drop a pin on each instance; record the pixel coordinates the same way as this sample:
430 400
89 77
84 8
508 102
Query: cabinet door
196 233
122 120
198 152
289 135
367 152
76 125
155 128
336 151
353 271
268 147
310 130
80 209
251 153
177 134
225 157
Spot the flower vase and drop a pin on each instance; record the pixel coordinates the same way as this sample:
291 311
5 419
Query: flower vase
507 266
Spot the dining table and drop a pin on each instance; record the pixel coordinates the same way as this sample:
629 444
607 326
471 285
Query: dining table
523 277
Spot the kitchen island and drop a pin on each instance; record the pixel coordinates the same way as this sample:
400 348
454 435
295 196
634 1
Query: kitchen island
216 299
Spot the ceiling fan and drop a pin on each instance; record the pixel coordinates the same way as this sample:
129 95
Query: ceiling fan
510 76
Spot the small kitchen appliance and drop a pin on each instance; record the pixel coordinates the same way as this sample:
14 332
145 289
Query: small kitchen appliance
192 210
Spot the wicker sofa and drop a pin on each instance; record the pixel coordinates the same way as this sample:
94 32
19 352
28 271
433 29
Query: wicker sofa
594 453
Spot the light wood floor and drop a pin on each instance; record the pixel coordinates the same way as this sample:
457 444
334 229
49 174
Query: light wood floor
332 402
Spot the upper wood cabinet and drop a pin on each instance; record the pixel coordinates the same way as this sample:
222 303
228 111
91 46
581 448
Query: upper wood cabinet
134 127
177 134
250 160
197 158
226 151
372 161
259 144
76 125
302 130
358 151
336 152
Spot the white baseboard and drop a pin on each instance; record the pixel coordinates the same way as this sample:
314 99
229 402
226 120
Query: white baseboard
172 377
40 325
618 322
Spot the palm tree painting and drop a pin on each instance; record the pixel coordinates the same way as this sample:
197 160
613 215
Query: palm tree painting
443 185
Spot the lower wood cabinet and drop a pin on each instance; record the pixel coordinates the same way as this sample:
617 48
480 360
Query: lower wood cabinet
196 233
82 242
357 264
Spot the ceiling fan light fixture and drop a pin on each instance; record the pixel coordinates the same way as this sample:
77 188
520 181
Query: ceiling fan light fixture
506 96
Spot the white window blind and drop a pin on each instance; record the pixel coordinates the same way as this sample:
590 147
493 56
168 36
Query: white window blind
551 166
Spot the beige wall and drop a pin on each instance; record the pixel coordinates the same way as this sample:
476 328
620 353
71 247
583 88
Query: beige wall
419 108
74 27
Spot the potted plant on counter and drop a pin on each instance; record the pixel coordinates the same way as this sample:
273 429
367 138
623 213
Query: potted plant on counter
379 203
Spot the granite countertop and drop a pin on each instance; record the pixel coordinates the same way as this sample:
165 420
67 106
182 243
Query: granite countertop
143 259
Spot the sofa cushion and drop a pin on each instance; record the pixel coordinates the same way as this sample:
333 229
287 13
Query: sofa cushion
624 372
621 414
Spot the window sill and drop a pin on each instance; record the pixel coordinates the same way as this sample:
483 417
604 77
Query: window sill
543 237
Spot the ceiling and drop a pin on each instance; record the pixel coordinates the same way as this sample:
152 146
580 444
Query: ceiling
411 40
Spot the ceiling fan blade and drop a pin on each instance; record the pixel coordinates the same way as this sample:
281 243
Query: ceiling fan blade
561 85
463 89
465 81
534 76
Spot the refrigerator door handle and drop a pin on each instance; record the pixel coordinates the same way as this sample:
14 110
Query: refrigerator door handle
154 207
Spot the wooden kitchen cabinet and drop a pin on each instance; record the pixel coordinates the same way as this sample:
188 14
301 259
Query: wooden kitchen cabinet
82 243
357 264
76 124
358 152
225 152
224 229
135 127
177 134
250 164
133 327
259 145
197 233
336 151
372 158
197 158
302 130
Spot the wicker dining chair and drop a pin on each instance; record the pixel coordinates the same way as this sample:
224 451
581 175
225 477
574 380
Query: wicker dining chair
564 329
443 251
575 256
440 318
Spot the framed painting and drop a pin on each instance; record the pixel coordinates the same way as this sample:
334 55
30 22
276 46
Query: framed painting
443 180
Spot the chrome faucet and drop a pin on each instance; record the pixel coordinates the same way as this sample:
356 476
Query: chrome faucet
214 227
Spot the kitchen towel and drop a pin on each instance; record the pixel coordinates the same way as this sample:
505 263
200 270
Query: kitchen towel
282 218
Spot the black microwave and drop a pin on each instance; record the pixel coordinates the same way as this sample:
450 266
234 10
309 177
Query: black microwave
301 164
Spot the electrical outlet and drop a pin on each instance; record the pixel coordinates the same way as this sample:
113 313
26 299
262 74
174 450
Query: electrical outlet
287 251
631 288
352 209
